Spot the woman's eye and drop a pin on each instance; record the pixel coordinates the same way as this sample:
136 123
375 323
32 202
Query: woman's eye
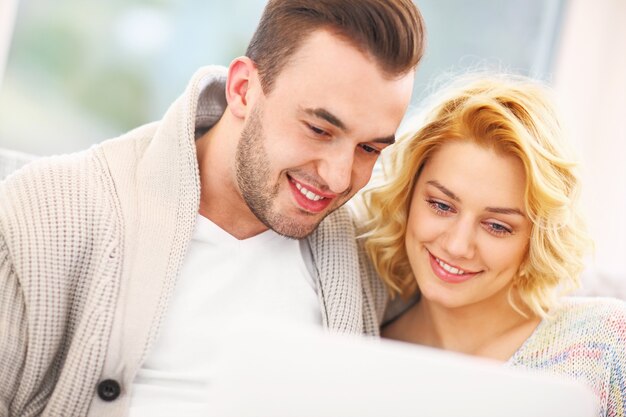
439 207
498 229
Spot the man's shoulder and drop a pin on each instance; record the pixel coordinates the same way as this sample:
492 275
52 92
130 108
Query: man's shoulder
45 185
337 225
342 215
41 171
53 186
335 236
48 169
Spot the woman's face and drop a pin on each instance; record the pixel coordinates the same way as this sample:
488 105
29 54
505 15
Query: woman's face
467 231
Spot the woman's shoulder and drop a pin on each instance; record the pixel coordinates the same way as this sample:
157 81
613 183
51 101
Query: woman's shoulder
600 311
580 335
583 321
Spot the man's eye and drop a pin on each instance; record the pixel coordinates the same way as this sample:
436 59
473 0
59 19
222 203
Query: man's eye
317 130
369 149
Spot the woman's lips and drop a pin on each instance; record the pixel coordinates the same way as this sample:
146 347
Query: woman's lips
449 273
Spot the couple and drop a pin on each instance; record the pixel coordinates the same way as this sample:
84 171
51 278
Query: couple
116 263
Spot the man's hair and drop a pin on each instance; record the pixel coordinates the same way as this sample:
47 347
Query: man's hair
513 116
390 31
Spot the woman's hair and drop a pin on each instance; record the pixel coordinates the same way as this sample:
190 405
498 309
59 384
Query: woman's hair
391 31
513 116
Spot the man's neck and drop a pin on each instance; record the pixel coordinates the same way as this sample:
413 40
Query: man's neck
220 199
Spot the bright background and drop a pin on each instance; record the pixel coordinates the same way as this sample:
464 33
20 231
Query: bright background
78 72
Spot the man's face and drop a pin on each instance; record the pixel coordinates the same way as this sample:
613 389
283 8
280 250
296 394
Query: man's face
311 143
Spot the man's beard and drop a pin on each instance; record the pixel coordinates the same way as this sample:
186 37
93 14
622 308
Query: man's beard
254 179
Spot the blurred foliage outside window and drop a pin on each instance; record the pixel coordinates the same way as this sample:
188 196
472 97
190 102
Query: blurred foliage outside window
81 72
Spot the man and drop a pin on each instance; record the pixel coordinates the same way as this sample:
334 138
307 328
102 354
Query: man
117 263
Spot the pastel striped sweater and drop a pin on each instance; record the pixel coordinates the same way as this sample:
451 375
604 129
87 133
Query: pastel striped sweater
585 339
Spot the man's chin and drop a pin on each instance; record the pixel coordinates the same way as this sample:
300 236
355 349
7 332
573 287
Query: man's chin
294 222
298 227
294 231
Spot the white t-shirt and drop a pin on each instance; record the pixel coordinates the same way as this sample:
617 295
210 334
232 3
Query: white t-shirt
223 281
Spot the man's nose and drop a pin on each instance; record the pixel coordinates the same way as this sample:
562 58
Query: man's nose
336 168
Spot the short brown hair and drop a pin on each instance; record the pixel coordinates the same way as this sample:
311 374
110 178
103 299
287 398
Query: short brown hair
391 31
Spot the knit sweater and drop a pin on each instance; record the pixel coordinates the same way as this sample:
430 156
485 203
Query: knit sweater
91 245
585 338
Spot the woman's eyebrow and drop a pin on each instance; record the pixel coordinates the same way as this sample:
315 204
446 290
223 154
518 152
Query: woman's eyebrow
505 210
444 190
499 210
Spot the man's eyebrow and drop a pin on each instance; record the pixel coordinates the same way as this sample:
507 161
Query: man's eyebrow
444 190
389 140
328 116
335 121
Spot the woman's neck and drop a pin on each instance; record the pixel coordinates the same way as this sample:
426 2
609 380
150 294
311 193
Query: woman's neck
495 332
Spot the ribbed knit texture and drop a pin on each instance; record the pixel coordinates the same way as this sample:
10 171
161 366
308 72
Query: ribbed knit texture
375 296
91 245
56 286
584 339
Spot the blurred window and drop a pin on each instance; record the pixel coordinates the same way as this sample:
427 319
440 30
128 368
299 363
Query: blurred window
79 72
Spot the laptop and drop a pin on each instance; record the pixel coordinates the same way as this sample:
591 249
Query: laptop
286 371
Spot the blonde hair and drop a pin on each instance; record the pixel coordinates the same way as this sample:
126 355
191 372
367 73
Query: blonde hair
511 115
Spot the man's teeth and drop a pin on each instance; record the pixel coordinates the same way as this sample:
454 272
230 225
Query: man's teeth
308 193
450 268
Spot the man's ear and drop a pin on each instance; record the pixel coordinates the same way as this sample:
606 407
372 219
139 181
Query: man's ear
241 77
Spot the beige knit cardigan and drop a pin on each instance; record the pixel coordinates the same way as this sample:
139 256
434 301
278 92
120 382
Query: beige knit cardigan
90 249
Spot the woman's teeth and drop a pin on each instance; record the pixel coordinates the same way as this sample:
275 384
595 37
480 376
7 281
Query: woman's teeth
450 268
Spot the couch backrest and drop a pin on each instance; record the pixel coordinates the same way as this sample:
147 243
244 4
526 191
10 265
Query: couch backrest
11 161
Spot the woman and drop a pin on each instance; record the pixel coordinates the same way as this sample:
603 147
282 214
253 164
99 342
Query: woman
478 218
